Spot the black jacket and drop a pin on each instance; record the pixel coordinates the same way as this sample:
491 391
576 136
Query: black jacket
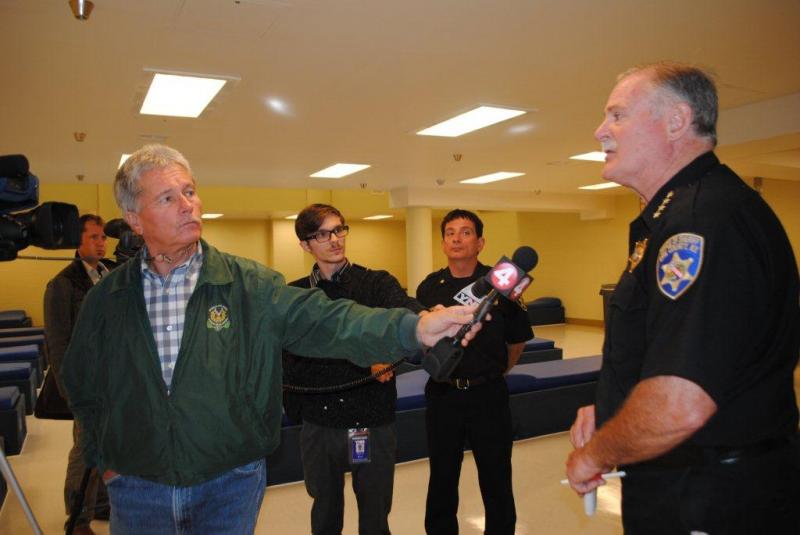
368 405
62 302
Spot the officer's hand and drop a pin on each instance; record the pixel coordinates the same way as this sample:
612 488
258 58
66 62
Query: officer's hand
583 428
583 473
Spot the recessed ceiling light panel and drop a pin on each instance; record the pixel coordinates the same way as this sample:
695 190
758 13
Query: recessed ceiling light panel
602 185
176 95
594 156
493 177
211 216
339 170
377 217
470 121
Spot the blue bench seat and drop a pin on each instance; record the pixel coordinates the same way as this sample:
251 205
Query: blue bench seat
24 353
20 374
21 331
12 419
14 318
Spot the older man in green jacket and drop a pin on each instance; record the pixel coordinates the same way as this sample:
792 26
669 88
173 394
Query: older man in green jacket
174 368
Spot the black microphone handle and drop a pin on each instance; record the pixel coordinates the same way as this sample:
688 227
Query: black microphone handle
483 309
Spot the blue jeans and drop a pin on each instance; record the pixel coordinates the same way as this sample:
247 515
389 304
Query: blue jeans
224 505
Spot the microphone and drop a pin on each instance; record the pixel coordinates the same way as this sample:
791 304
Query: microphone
508 278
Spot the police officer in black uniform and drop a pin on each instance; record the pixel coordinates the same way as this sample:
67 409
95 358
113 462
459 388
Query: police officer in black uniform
695 399
352 429
473 405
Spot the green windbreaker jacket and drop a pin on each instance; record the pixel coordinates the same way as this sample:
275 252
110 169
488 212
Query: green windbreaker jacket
223 409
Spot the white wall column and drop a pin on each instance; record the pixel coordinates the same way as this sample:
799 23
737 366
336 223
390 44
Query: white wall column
419 247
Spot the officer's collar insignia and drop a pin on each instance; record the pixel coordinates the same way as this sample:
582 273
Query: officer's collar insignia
218 318
679 261
637 254
664 202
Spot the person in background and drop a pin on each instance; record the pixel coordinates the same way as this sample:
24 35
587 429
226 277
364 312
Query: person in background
335 423
473 404
62 302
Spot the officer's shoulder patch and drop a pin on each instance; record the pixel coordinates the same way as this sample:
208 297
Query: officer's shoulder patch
678 265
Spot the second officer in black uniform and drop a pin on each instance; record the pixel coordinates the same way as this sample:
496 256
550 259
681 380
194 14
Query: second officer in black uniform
473 404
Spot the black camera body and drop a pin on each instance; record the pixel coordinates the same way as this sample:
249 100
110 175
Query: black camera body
129 242
53 225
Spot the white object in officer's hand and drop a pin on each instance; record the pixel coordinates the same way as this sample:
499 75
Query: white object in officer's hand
590 502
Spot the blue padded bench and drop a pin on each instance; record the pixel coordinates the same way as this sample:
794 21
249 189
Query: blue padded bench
545 311
20 374
14 318
12 419
27 353
38 340
21 331
540 350
545 397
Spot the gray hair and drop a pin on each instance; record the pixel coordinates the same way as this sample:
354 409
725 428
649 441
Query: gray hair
149 157
689 84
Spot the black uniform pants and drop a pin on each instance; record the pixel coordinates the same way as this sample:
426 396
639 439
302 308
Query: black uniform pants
480 415
325 453
752 495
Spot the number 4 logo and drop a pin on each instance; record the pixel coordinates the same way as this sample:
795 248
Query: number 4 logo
504 276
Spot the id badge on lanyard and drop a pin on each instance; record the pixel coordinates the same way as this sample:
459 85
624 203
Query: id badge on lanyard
359 445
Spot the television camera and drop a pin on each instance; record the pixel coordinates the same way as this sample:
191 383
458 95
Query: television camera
52 225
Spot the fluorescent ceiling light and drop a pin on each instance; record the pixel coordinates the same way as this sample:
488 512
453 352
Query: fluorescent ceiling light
602 185
293 217
493 177
480 117
122 159
180 96
211 216
377 217
339 170
594 156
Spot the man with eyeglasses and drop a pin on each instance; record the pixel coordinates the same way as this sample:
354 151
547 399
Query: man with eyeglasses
352 429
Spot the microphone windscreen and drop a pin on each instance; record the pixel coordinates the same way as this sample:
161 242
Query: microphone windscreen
525 258
14 165
481 288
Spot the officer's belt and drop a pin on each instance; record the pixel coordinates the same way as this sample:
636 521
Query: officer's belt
466 384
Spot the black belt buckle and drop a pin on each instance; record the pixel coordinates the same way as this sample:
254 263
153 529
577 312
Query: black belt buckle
461 384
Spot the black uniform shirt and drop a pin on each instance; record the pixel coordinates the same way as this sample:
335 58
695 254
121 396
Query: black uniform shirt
713 299
487 354
367 405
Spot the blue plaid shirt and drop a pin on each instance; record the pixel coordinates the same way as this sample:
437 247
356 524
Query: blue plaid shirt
166 299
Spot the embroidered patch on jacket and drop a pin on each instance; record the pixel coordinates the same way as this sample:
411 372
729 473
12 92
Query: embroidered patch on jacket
218 318
679 261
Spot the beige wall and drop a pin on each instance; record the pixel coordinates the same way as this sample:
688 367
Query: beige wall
575 257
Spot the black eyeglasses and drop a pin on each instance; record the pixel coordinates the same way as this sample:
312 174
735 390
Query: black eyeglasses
325 235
